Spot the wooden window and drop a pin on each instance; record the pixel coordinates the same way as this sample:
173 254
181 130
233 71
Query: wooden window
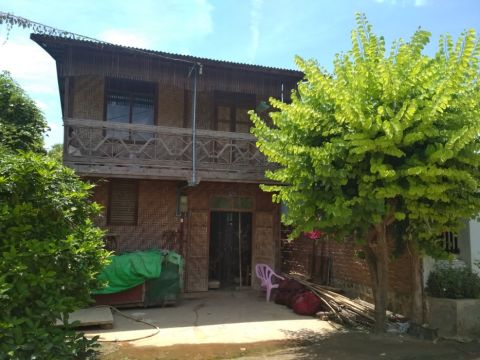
231 111
130 102
123 202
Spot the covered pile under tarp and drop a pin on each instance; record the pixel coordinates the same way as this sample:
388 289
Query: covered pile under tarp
132 269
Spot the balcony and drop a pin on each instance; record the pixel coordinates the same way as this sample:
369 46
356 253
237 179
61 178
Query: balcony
107 149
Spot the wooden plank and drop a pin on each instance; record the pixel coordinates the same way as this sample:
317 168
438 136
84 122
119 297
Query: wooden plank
166 174
89 123
101 316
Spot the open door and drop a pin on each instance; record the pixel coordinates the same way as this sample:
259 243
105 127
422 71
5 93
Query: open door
230 257
197 251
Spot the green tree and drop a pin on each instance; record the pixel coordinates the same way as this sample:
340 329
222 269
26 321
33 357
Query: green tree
386 146
56 152
22 124
50 254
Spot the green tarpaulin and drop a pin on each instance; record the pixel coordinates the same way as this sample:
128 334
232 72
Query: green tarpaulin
131 269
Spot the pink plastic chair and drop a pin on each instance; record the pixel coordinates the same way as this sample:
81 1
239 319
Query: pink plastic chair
265 274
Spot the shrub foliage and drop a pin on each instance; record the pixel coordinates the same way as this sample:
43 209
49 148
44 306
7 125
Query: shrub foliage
453 283
50 253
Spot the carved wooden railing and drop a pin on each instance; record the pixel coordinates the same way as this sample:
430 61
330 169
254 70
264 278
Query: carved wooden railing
103 147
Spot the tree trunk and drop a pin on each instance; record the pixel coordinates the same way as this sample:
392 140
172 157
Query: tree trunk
417 312
376 251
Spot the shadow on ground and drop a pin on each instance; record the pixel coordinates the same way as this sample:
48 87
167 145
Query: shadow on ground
306 344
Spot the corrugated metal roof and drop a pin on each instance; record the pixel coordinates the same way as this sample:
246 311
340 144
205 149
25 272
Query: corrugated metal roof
44 40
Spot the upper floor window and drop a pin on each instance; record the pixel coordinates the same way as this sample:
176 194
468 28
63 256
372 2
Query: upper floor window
231 111
130 102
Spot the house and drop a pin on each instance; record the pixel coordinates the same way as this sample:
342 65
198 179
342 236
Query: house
166 140
465 247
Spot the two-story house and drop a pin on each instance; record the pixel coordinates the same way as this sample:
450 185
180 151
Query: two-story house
165 138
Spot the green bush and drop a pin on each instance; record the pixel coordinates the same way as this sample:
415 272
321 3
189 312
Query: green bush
453 283
50 254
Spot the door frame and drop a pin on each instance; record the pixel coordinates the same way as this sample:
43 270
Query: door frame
251 236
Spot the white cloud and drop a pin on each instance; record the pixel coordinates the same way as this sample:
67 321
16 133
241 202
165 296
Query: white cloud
421 2
41 105
35 71
124 37
29 64
404 3
255 19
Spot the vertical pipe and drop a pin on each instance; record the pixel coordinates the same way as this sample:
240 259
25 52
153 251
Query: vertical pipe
240 246
194 127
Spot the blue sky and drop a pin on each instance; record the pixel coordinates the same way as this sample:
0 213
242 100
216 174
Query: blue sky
266 32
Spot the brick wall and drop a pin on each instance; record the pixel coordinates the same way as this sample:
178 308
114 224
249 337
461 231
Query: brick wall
297 255
347 269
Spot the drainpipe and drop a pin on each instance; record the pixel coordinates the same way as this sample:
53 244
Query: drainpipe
196 68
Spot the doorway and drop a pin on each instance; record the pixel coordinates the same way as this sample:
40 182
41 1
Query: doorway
230 258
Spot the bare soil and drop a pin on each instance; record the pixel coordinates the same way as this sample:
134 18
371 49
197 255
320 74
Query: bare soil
307 345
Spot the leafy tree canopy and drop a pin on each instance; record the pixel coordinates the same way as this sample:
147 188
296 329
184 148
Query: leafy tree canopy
386 138
22 124
388 143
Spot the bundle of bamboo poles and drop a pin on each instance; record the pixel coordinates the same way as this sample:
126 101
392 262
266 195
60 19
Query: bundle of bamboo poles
342 309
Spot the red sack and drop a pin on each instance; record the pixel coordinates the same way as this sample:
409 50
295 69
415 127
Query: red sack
282 297
294 295
307 304
287 292
290 285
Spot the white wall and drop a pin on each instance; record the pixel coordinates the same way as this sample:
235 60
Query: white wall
474 227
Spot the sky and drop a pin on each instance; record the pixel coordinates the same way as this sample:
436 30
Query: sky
264 32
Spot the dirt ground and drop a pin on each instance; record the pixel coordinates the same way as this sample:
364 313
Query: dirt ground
306 345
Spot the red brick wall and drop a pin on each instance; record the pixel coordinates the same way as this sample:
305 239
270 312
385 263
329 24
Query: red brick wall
348 270
297 255
349 266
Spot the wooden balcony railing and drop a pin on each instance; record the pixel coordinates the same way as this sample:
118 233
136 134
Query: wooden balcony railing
101 148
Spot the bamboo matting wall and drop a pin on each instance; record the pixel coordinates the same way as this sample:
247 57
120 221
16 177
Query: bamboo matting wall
157 227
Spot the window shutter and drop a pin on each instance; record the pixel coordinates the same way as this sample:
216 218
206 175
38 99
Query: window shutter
123 202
